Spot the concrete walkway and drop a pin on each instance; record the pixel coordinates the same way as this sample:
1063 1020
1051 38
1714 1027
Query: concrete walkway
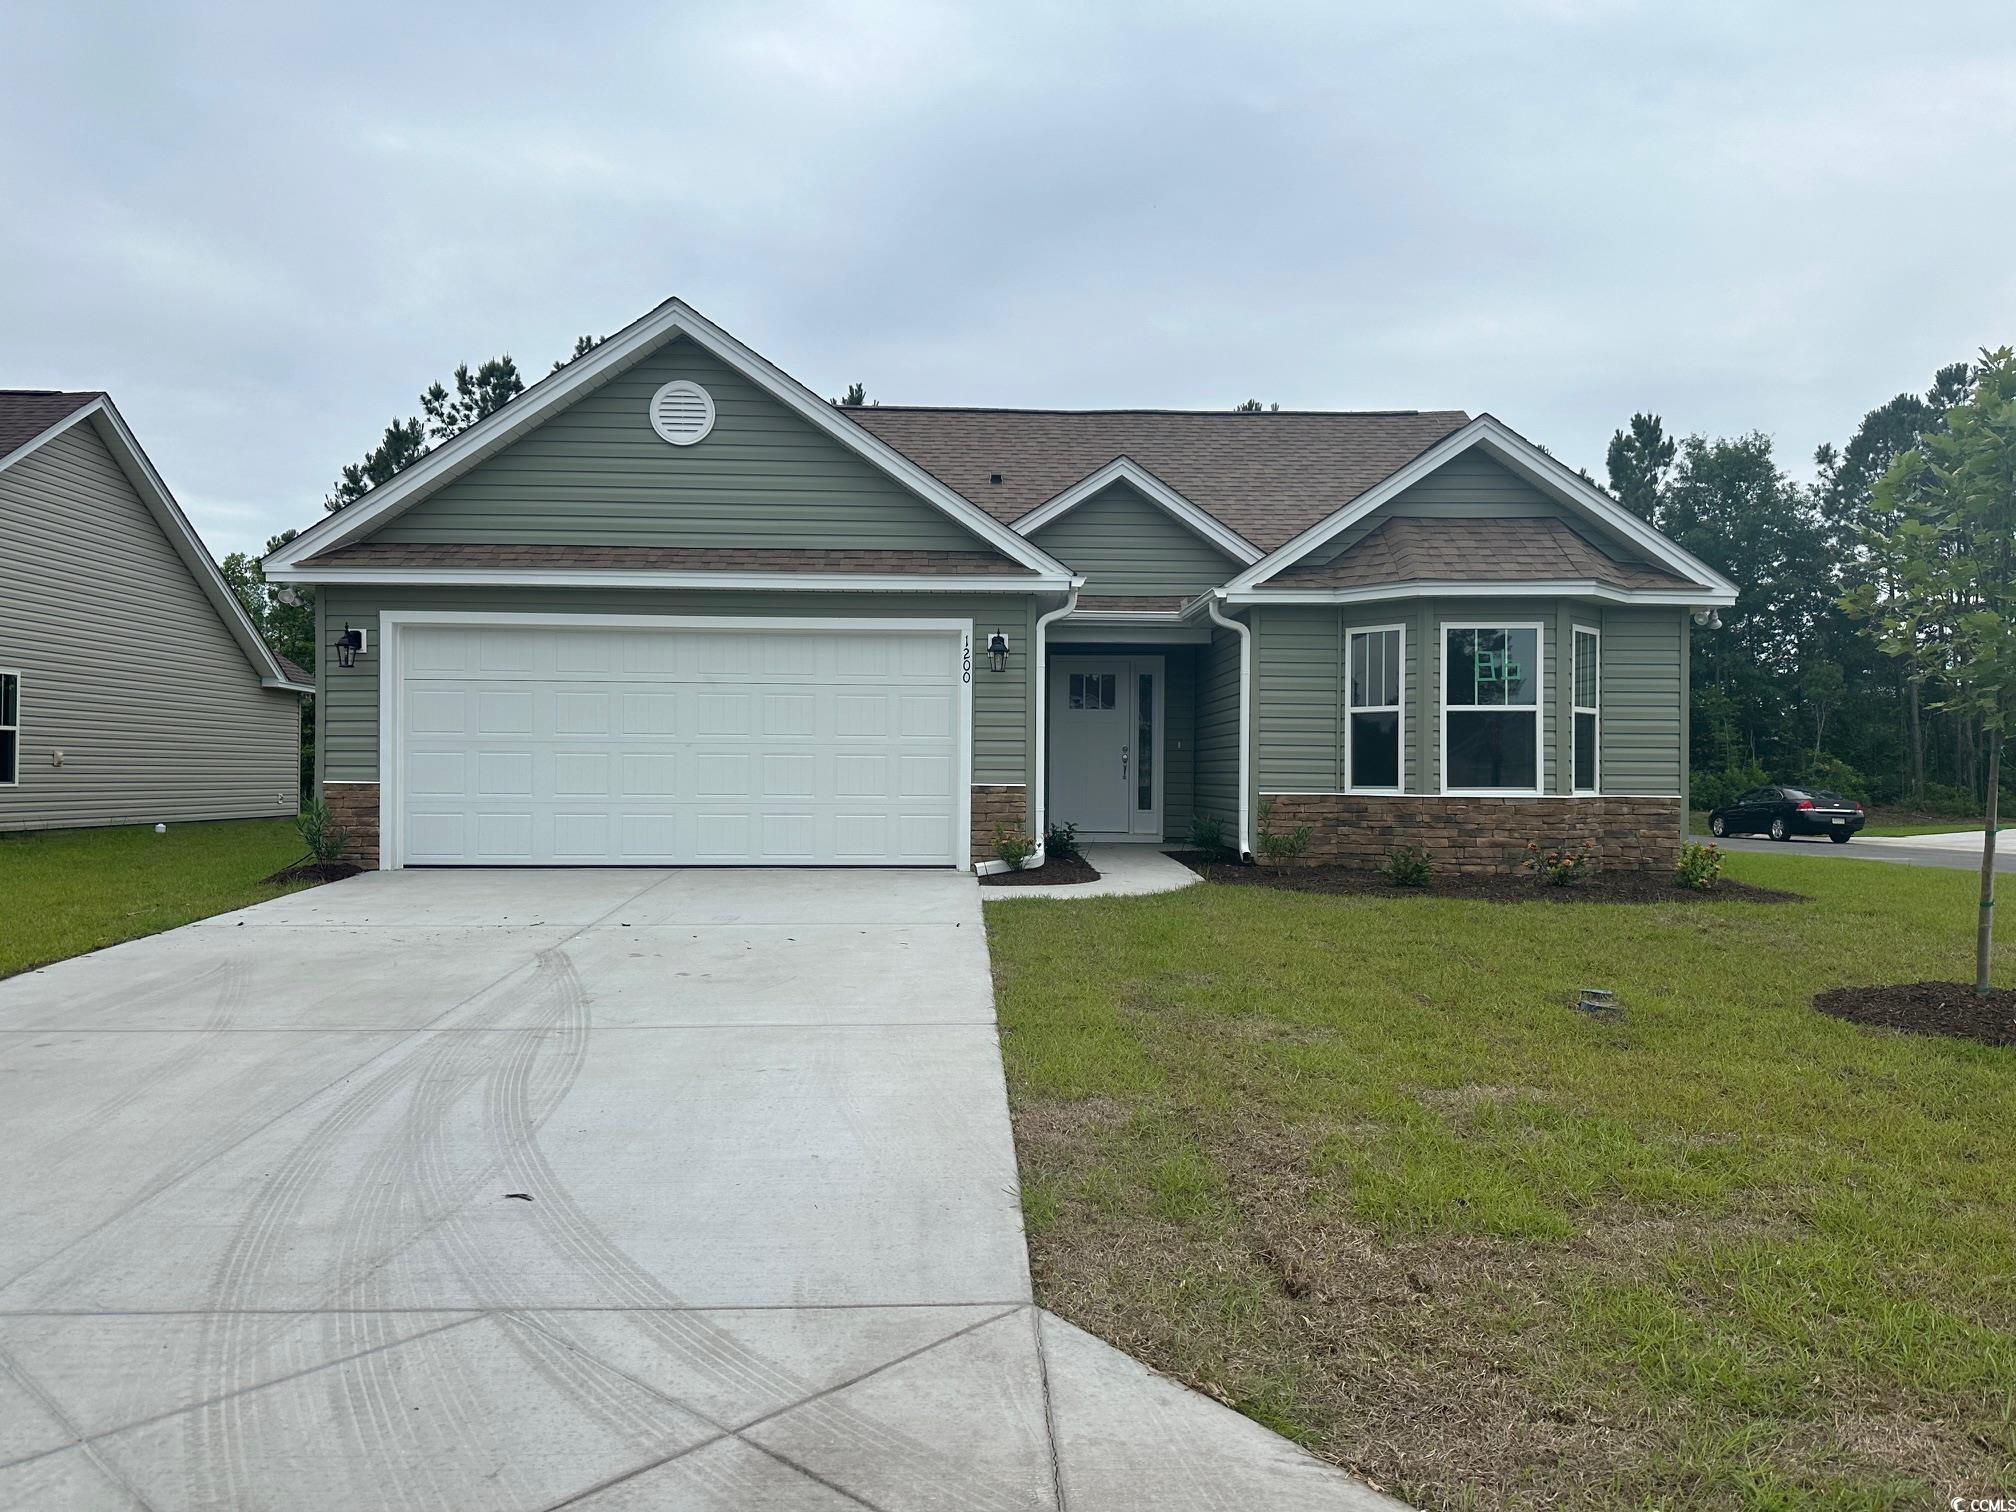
520 1190
1125 871
1904 850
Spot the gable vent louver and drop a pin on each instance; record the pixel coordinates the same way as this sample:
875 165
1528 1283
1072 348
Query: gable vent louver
682 412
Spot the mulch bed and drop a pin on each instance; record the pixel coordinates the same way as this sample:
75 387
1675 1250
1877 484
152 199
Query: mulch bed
1055 869
1949 1008
314 871
1504 887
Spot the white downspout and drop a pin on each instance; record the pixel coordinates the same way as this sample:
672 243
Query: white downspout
1245 634
1038 769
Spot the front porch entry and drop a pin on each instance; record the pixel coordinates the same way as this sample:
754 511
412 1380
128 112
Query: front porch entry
1106 720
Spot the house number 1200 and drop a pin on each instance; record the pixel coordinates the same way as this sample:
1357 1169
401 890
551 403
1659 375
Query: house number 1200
966 660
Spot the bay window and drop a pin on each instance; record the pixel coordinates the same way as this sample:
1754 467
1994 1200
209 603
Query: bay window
1491 709
1374 689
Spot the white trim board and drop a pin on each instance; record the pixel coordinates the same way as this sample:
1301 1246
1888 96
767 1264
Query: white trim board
391 622
1125 469
673 318
1455 588
1528 461
112 430
599 577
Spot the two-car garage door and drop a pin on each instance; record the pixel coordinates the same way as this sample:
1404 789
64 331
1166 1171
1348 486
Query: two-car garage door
728 745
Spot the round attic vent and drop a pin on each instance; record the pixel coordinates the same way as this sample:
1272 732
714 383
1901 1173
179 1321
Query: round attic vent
682 412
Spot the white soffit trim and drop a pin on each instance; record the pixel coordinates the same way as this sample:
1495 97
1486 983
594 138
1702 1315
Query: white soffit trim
111 429
1126 469
1528 461
600 577
628 346
1456 588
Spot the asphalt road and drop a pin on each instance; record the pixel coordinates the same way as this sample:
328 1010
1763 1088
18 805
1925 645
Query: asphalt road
1875 848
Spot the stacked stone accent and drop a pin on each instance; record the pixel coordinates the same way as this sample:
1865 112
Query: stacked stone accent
995 806
354 806
1482 834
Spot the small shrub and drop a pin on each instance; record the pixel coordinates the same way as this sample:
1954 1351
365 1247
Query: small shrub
1557 868
1012 846
1406 866
1207 834
1062 843
1700 867
325 838
1276 849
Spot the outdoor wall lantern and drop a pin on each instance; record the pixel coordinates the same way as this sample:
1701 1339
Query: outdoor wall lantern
997 651
349 646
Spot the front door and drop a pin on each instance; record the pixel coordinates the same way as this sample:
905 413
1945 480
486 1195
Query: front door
1106 746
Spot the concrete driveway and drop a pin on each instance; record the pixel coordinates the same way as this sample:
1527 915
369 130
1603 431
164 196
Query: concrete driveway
601 1189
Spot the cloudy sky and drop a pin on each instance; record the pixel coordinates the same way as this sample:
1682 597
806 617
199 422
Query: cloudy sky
264 228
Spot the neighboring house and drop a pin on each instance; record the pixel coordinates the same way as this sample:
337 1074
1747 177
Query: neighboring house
133 689
671 606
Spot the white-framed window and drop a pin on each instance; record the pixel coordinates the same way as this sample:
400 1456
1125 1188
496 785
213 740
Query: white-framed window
1588 712
1375 719
1491 703
10 728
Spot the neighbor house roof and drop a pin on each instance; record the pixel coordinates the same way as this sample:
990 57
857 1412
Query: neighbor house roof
1410 550
26 413
467 557
1267 476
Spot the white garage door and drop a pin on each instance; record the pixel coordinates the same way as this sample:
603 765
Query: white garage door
684 746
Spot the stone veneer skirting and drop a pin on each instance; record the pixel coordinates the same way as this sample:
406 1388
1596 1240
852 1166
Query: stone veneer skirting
1481 834
354 806
994 806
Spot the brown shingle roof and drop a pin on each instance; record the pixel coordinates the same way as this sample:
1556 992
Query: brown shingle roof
293 671
1267 476
474 556
1458 551
26 413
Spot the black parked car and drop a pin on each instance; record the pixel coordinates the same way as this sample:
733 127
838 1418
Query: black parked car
1782 812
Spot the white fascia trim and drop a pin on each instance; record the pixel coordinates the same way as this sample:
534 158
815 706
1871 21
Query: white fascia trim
1694 598
590 577
392 622
635 341
1521 456
1126 469
120 441
1140 616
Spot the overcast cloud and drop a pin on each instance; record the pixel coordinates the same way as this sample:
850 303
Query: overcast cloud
264 228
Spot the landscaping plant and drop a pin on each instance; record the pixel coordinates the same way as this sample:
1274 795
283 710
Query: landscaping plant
1406 866
1700 867
1557 868
1063 842
325 838
1207 834
1277 849
1012 846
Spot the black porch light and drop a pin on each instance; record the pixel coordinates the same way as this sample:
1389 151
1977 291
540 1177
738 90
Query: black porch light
348 645
997 651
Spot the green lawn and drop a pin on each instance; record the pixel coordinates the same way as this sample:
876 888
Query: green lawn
63 892
1356 1166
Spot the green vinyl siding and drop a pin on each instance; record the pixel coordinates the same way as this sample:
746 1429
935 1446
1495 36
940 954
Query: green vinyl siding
1124 543
1218 732
1300 663
597 474
1003 707
1644 691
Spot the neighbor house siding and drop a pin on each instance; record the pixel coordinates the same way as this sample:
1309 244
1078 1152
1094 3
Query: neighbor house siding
126 667
1218 732
598 474
1003 727
1644 691
1125 544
